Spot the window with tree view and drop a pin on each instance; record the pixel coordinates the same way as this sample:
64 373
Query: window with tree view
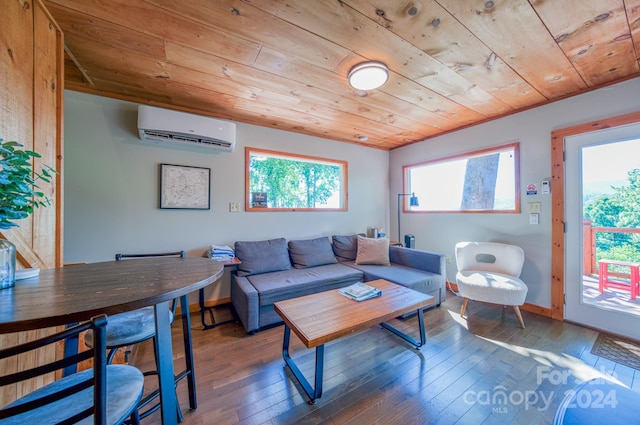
277 181
480 181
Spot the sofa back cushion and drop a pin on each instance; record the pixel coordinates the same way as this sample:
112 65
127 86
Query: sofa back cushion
311 253
345 247
262 256
418 259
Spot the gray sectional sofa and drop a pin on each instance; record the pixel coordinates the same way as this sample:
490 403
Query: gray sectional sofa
274 270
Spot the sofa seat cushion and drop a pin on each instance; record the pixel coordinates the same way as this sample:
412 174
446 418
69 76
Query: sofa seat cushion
410 277
282 285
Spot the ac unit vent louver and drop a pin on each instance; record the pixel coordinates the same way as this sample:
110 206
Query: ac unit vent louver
180 128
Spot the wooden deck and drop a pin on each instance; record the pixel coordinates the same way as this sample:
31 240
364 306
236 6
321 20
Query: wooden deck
373 377
610 299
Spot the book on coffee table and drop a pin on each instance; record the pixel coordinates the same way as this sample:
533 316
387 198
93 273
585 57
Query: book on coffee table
360 291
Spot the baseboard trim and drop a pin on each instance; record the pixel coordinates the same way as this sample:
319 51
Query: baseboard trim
532 308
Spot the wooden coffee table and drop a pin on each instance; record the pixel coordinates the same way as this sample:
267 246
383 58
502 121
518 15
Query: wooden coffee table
323 317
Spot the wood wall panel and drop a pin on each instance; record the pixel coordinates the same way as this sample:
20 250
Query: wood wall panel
16 64
31 93
46 107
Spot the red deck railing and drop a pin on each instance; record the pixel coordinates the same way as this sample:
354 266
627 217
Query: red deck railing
589 250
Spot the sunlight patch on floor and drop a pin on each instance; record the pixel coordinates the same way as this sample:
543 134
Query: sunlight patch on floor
458 319
578 369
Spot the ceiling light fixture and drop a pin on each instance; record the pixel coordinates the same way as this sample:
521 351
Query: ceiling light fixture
368 75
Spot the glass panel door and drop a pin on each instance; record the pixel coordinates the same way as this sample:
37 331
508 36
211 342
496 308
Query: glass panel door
602 229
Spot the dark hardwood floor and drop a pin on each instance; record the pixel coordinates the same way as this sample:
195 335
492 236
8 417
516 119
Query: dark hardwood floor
486 370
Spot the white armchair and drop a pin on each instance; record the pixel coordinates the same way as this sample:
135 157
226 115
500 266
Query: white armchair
490 272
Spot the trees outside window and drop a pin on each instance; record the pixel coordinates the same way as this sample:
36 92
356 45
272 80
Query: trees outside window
619 209
277 181
481 181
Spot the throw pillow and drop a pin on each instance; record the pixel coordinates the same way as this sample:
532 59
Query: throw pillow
262 256
345 247
373 251
311 252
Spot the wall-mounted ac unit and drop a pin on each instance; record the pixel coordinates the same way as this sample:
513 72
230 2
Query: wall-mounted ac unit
180 128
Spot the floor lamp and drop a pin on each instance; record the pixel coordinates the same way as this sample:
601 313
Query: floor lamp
413 202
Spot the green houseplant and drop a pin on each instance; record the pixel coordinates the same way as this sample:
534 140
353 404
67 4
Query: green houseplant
19 195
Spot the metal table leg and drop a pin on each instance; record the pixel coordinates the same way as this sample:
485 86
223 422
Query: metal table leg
188 351
406 337
203 313
315 393
312 393
70 349
165 364
188 373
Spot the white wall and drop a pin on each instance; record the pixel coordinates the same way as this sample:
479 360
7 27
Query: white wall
111 183
111 186
440 232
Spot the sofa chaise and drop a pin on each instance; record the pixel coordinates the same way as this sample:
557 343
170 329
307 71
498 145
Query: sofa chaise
275 270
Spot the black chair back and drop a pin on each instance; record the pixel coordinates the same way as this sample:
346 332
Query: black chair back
180 254
98 381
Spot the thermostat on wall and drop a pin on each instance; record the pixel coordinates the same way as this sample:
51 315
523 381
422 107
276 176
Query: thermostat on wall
545 187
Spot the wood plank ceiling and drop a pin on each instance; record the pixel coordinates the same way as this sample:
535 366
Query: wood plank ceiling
283 64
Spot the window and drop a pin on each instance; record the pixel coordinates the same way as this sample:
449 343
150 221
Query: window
480 181
277 181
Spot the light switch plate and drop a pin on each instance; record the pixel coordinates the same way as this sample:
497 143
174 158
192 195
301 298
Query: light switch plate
533 207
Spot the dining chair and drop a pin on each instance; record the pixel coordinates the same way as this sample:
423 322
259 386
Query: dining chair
103 394
136 326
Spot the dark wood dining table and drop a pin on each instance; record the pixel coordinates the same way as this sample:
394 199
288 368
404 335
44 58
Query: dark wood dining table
70 294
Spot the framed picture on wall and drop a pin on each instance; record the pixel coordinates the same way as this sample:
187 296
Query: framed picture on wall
184 187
